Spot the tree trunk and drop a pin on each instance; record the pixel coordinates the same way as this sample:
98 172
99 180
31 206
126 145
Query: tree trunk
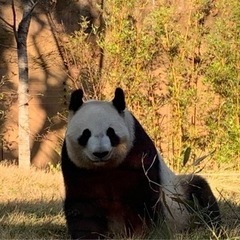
24 159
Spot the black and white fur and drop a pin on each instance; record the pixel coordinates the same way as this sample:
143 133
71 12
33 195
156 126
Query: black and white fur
105 150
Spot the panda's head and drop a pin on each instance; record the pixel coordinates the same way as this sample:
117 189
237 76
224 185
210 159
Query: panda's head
99 133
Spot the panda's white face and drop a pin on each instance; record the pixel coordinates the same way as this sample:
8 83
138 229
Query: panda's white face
98 135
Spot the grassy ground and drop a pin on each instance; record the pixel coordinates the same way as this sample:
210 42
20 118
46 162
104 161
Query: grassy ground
31 205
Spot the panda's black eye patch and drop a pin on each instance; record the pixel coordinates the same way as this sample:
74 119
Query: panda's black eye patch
83 139
114 138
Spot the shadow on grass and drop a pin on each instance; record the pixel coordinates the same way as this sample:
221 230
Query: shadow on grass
45 220
230 212
32 220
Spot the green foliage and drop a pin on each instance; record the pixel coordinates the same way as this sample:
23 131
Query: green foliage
180 73
182 48
131 46
53 168
81 56
223 76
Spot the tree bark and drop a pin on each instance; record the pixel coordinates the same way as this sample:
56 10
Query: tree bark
24 157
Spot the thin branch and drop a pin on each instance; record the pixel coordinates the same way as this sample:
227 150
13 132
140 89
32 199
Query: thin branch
7 46
23 26
34 4
7 23
146 173
14 21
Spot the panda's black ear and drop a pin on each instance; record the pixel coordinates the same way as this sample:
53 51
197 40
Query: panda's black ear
119 100
76 100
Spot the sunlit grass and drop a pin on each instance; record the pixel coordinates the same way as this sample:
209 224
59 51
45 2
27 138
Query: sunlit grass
31 206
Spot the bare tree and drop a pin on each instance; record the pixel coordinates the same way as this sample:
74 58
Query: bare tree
21 33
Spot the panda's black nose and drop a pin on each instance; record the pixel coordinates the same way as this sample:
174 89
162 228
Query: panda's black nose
100 154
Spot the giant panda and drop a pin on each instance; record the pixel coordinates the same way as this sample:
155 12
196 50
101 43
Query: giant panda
116 181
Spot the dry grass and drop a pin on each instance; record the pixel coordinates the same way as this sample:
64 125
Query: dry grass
31 204
226 187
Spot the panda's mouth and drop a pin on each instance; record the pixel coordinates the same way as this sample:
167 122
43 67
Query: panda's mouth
101 157
98 162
